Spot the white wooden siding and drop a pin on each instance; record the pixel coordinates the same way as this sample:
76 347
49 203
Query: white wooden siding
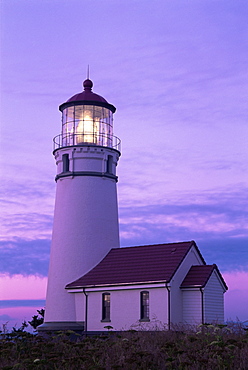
214 300
192 258
192 307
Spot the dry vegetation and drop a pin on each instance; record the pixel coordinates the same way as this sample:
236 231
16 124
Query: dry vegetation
211 347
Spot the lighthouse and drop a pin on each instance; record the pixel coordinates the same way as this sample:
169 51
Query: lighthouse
93 284
86 211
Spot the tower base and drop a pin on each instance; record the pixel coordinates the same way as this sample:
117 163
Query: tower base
77 326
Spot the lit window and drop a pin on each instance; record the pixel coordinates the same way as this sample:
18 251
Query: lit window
106 307
144 305
87 124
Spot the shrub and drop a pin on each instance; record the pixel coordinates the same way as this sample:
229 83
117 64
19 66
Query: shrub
214 348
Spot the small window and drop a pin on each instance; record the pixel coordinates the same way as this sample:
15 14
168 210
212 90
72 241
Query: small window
65 160
144 306
106 307
110 164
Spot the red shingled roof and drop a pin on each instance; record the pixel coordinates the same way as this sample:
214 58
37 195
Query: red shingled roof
149 263
198 276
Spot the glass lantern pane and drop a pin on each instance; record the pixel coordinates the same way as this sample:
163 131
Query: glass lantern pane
87 124
68 126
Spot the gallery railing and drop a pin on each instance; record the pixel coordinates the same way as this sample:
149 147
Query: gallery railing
63 140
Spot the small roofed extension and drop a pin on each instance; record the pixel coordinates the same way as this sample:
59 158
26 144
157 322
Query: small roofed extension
203 288
180 287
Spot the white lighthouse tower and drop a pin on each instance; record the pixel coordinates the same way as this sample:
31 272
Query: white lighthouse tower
86 212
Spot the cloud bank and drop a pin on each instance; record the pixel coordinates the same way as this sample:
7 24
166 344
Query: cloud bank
217 221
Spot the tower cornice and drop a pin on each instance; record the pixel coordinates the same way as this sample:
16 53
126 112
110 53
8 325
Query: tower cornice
87 102
86 173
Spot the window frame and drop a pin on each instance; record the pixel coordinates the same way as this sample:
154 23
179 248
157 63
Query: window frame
66 162
106 307
109 164
144 306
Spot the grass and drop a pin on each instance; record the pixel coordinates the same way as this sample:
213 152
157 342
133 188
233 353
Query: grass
211 347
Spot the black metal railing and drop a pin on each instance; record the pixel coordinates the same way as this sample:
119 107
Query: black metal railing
63 140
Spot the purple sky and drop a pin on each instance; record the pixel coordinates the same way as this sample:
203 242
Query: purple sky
177 73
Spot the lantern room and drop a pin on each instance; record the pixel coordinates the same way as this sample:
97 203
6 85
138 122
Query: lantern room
87 119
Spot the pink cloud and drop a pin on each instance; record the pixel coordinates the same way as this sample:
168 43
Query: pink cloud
236 298
22 287
236 279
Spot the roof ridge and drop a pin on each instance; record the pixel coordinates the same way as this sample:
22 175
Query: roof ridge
153 245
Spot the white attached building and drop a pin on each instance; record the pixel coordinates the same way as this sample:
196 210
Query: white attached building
152 286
